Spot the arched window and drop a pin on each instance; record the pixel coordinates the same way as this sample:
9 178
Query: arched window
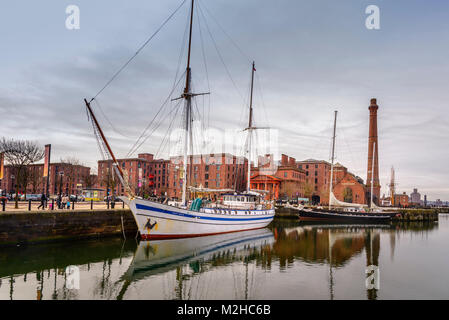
347 195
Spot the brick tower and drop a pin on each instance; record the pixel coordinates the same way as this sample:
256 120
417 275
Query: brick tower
373 146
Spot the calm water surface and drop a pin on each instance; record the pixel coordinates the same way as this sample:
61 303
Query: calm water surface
289 260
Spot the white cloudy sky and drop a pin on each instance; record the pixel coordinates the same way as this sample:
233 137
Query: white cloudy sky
312 57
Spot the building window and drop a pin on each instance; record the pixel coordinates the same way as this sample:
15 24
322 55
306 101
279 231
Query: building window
206 168
285 174
316 180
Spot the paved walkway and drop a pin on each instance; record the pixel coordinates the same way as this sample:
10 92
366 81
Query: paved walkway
23 206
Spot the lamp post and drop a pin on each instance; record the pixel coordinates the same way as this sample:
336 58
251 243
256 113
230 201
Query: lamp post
13 177
61 174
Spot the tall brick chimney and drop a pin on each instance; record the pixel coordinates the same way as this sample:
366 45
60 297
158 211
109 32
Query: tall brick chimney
371 141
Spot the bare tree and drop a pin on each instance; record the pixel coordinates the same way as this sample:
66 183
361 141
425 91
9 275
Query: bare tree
109 181
70 166
34 178
90 180
19 154
308 189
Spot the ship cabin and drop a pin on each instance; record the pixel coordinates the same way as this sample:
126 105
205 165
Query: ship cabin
240 201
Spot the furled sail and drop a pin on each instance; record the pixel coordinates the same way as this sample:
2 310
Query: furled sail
333 201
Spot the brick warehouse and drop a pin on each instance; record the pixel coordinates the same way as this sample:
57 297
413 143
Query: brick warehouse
149 176
145 174
285 180
63 177
317 179
214 171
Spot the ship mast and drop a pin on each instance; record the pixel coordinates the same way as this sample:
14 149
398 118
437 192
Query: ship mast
250 128
188 113
119 170
332 159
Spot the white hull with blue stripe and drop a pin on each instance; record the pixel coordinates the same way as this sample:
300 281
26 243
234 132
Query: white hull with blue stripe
160 221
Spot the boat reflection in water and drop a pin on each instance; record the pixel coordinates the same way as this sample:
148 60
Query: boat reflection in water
157 257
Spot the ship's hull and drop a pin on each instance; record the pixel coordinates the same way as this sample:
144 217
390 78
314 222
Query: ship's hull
160 221
344 217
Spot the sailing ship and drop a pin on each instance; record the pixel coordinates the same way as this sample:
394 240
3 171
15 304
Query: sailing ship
180 220
344 212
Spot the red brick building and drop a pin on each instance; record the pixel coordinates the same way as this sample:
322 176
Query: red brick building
146 175
348 187
401 200
285 180
63 177
213 171
317 179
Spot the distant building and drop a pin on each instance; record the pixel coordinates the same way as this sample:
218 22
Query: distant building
349 187
401 200
316 180
385 201
212 171
415 197
281 180
63 177
145 174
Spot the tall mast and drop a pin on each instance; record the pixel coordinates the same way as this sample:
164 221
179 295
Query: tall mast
372 176
250 127
188 112
392 187
332 159
117 166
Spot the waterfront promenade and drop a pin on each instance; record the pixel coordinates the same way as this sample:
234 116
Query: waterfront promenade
83 205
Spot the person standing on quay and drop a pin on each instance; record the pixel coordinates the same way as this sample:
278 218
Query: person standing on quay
42 205
64 202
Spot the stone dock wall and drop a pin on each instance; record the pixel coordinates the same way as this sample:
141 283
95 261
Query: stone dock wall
45 226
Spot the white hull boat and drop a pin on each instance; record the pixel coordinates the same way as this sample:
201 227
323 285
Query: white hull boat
160 221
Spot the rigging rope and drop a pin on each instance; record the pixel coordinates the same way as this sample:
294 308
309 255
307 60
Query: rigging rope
109 121
175 84
168 130
138 50
220 56
149 135
205 67
137 145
